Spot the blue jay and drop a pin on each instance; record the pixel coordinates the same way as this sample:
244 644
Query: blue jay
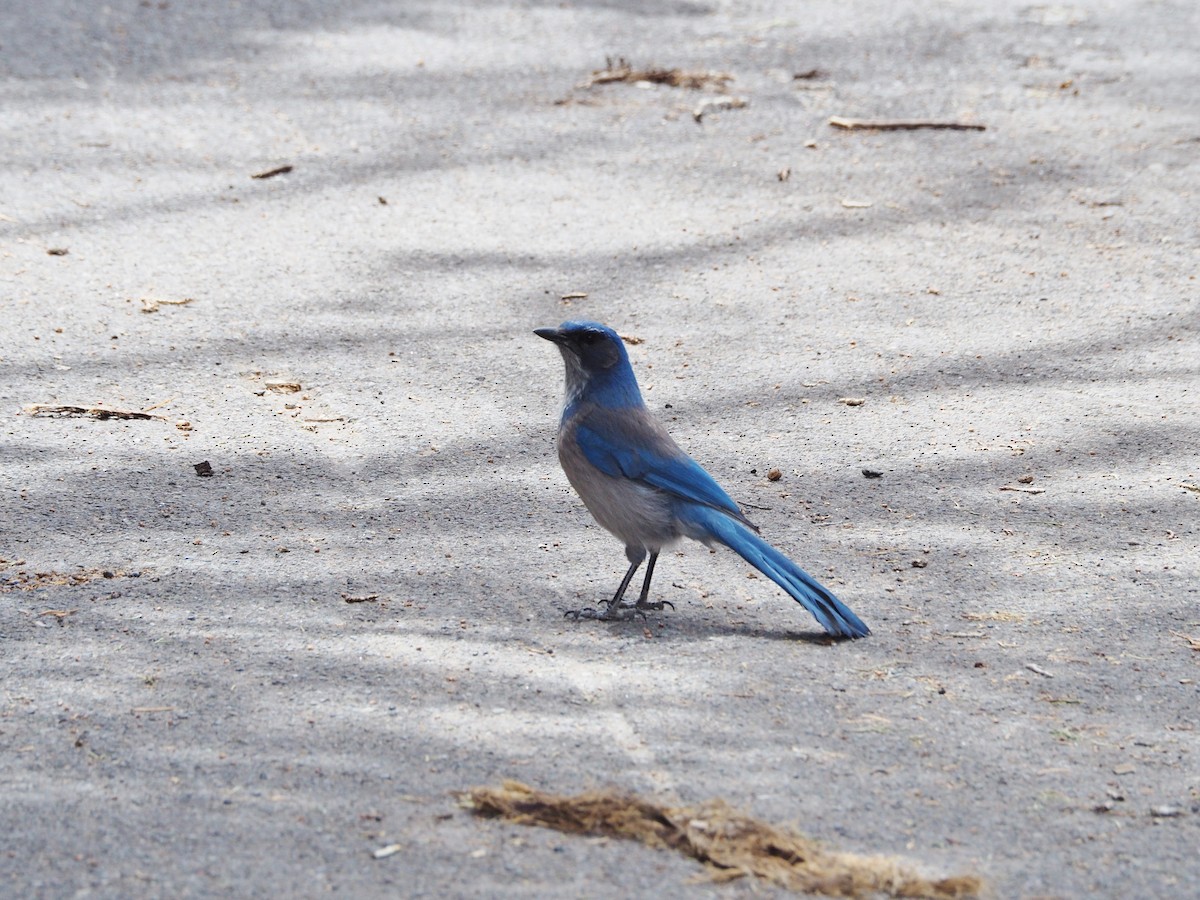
639 485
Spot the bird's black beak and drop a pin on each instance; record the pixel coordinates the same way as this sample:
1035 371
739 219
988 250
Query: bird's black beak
551 334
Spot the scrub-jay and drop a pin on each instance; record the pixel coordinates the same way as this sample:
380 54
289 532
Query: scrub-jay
638 483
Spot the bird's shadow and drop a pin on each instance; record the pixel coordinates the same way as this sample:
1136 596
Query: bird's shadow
691 629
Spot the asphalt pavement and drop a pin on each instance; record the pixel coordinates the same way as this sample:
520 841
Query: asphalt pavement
284 544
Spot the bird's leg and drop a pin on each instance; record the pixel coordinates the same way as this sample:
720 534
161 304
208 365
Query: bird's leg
614 609
643 601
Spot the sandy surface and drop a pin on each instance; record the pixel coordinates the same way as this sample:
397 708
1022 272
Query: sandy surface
1017 307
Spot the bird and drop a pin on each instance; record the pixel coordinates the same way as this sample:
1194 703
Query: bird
644 489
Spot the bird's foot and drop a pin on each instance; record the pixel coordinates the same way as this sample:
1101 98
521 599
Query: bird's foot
608 614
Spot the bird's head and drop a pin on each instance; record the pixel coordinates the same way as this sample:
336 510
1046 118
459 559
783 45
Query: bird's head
597 364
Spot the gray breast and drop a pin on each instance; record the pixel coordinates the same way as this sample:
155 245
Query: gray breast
639 515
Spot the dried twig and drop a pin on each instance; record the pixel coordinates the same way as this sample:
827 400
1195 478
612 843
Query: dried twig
900 124
33 581
160 404
271 173
95 412
994 616
1193 642
717 103
621 71
1021 489
151 304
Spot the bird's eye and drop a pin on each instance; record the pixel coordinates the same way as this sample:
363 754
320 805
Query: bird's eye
590 337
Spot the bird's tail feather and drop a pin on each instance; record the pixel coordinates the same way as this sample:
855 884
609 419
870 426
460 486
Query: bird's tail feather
835 617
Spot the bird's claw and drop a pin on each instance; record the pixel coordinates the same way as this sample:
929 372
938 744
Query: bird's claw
657 605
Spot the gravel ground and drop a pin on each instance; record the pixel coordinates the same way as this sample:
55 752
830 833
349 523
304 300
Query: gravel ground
245 683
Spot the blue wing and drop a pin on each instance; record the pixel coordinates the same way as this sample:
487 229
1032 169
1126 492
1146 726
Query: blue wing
632 445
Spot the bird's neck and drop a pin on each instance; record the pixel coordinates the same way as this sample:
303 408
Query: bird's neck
613 389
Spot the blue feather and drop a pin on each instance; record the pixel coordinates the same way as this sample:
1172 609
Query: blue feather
834 616
618 447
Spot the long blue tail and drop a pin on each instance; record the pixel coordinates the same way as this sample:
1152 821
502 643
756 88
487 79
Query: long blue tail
834 616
